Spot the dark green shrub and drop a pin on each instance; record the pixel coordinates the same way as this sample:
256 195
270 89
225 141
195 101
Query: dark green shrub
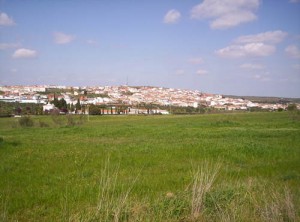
43 124
292 107
74 120
70 120
26 121
56 118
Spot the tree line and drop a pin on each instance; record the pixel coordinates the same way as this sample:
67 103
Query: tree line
15 108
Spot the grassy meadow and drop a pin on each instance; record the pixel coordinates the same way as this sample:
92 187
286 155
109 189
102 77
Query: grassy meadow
216 167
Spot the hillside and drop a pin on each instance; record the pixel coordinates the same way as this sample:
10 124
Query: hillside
264 99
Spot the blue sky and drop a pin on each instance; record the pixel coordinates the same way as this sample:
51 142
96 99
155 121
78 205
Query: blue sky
240 47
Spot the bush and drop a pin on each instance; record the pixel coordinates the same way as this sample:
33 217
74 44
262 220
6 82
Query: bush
55 116
94 110
26 121
292 107
74 120
43 124
70 120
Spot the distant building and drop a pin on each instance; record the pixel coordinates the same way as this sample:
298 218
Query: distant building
48 107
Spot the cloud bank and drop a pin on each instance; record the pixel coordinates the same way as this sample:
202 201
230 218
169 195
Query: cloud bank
5 20
62 38
258 45
293 51
24 53
271 37
172 16
195 60
250 49
252 66
224 14
4 46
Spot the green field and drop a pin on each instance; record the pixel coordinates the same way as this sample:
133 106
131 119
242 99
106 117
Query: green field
217 167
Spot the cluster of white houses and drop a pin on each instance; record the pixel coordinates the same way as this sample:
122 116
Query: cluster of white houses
129 96
113 110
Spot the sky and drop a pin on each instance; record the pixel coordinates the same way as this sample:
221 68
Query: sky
231 47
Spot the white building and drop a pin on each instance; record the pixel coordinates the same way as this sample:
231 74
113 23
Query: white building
48 107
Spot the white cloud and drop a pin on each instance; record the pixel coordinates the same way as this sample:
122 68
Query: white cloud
201 72
180 72
231 20
62 38
263 77
4 46
226 13
250 49
252 66
24 53
293 51
258 45
92 42
5 20
294 1
172 16
195 60
271 37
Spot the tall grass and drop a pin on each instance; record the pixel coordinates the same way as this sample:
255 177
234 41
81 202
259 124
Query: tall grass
203 200
276 205
203 180
113 202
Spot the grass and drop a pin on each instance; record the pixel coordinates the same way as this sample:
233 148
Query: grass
219 167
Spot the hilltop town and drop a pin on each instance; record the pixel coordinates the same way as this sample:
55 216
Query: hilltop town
129 96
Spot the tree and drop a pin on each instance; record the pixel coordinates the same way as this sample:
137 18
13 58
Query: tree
62 104
55 102
292 107
94 110
39 110
28 110
18 110
72 107
78 106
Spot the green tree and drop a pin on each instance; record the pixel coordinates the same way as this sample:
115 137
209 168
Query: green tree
55 102
62 104
94 110
72 107
292 107
78 106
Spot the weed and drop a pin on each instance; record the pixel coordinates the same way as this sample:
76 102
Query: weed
277 205
56 118
113 204
74 120
26 121
70 120
43 124
203 179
